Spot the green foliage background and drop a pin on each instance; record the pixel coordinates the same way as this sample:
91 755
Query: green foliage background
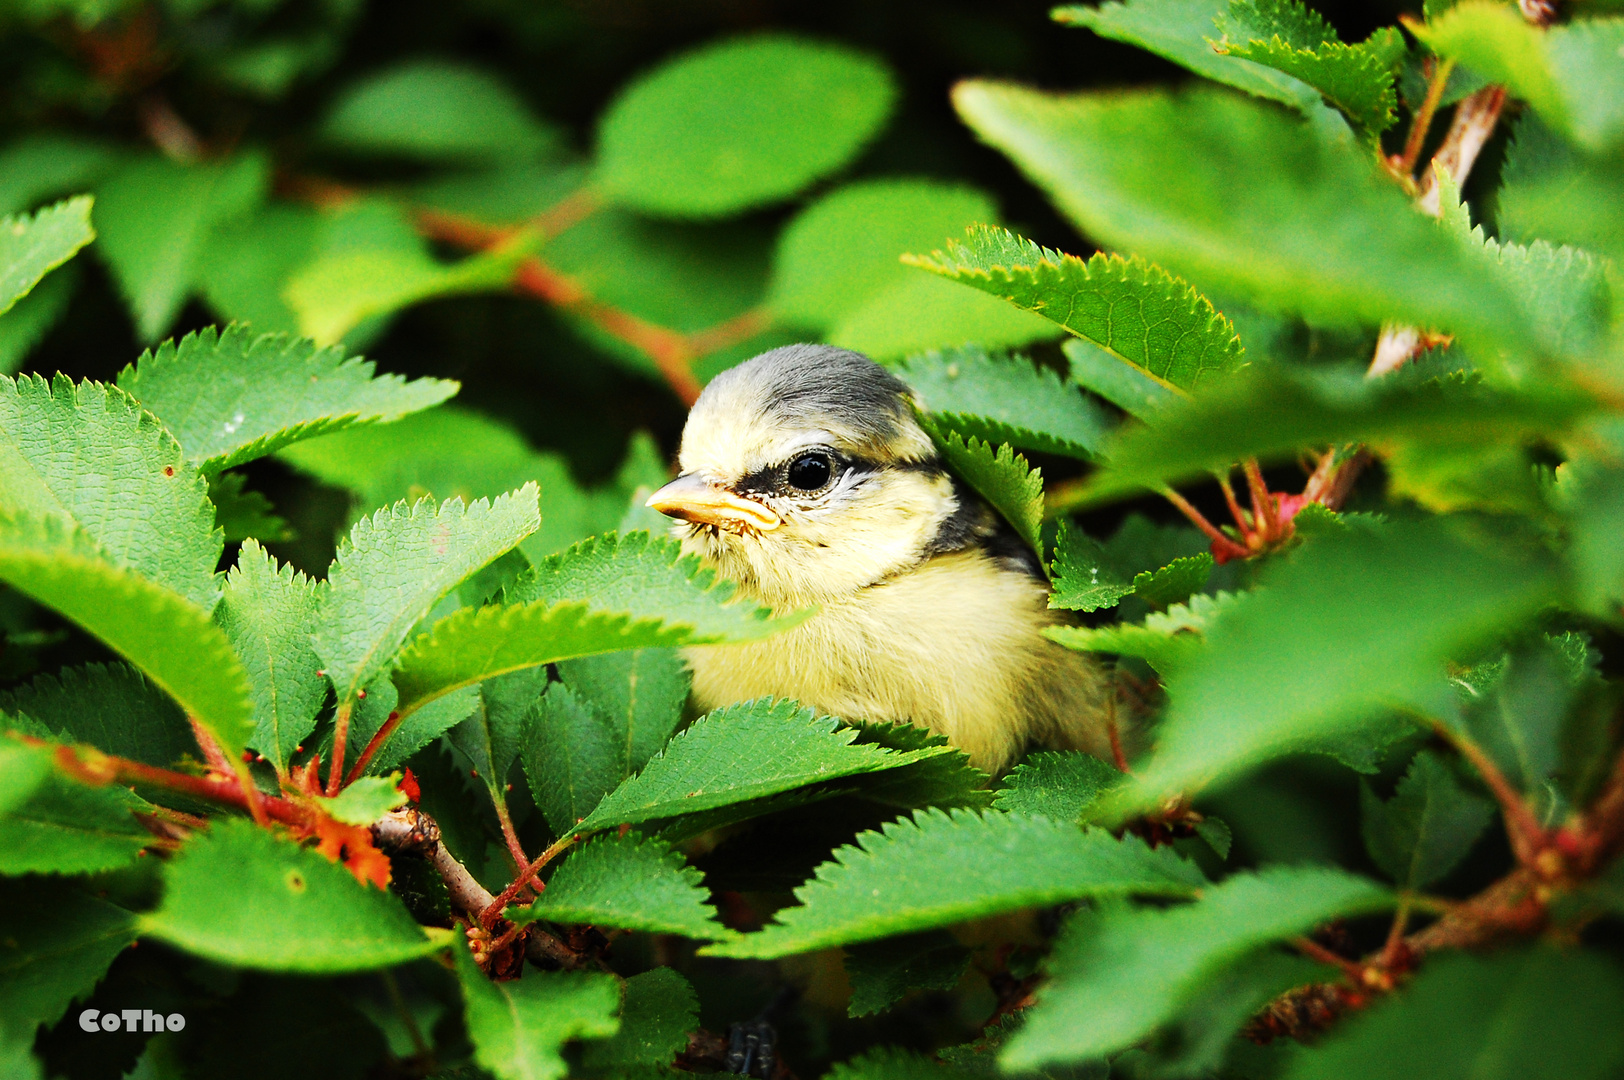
1115 250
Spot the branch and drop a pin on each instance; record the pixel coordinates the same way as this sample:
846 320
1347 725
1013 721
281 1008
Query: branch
1221 544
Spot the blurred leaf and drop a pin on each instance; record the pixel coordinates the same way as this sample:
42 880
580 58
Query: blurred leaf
520 1026
34 316
1556 192
1005 399
894 1063
1519 1013
1182 31
269 612
1285 35
1356 625
919 313
245 515
845 248
59 943
23 768
1236 195
88 454
1123 385
1056 784
742 753
48 164
573 757
1085 578
235 396
65 827
169 638
436 111
1427 827
395 566
1000 476
739 124
1118 972
1137 311
937 869
154 219
33 246
1570 74
1167 640
658 1010
1197 1040
109 706
250 258
631 882
883 972
290 910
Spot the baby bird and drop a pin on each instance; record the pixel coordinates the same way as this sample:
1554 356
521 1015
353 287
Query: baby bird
806 478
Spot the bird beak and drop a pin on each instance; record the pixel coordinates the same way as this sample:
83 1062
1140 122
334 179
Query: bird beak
690 497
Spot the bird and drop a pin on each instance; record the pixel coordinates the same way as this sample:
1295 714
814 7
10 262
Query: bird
805 477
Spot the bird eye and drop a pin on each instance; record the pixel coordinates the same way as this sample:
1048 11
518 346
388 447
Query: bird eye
809 472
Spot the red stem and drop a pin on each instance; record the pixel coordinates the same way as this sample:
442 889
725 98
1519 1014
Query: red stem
106 769
1528 837
1199 520
341 735
377 740
490 914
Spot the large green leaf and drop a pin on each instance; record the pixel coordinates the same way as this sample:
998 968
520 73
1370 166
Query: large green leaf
1123 385
573 756
270 613
658 1010
170 639
1056 784
396 565
437 112
1119 972
58 944
629 882
154 218
1427 827
1143 315
27 323
234 396
639 691
48 164
88 454
33 246
1570 74
1557 192
65 827
109 706
843 249
922 312
1005 399
1353 626
240 895
738 124
23 768
999 475
1516 1014
1237 196
938 869
519 1027
494 729
1166 640
742 753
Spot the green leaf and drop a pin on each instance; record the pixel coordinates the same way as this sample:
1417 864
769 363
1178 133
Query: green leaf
1235 194
1285 35
241 895
168 638
1000 476
269 613
109 706
250 258
1556 192
937 869
843 249
23 769
65 827
235 396
1123 385
365 800
1201 1036
1356 624
1173 583
739 124
1166 640
883 972
1118 972
1427 827
495 728
1005 400
58 944
34 316
894 1063
1518 1013
241 514
742 753
1569 74
1085 577
396 565
1276 416
1062 785
640 691
86 453
602 595
922 312
437 112
1137 311
154 218
520 1026
1181 31
630 882
33 246
48 163
573 756
658 1011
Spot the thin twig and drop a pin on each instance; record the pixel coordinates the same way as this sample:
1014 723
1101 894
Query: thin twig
1199 520
1527 835
1475 120
373 744
1265 519
1422 122
1234 505
489 914
1315 951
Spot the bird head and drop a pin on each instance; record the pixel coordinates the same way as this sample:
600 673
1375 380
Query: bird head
804 476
